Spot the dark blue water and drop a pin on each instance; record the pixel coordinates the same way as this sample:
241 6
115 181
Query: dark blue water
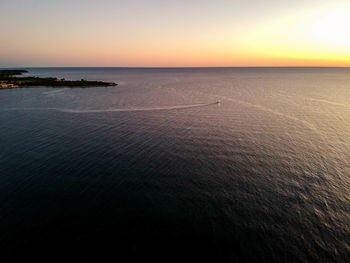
153 169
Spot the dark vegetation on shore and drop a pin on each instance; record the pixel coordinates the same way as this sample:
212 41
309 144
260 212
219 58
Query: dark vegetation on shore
13 79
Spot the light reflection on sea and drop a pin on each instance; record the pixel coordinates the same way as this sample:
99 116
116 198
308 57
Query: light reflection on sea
262 176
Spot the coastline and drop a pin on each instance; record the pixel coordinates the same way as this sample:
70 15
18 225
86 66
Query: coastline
11 79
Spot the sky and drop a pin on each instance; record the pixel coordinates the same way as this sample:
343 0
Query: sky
174 33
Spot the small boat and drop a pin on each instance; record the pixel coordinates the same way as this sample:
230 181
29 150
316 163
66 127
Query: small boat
218 102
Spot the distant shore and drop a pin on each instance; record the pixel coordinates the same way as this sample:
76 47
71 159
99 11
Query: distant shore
10 79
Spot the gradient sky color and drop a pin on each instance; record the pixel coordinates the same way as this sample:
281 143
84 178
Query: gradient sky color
174 33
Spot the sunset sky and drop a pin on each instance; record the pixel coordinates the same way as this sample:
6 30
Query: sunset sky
174 33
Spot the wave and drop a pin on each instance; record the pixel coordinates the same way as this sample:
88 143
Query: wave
52 92
328 102
158 108
305 123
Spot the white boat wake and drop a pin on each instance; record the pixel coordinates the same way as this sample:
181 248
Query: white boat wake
159 108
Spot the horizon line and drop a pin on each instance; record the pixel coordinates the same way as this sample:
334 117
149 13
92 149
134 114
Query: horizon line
179 67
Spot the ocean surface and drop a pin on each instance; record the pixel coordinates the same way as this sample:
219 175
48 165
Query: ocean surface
152 168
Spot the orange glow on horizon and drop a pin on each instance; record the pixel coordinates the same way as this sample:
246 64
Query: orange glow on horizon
310 36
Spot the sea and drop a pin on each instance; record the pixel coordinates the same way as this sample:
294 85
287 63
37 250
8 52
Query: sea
186 164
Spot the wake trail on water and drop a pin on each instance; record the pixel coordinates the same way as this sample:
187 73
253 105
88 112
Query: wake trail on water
52 92
306 124
159 108
328 102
